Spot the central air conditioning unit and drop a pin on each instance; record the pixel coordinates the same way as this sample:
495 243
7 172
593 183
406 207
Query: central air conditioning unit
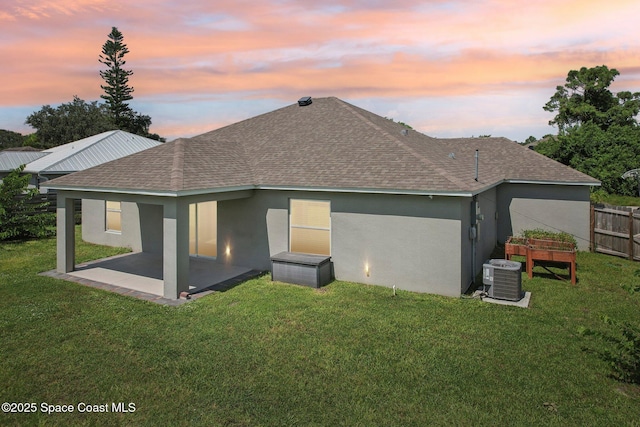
504 279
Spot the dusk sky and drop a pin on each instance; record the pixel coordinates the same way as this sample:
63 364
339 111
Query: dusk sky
448 68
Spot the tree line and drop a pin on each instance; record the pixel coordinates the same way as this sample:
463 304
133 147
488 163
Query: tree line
78 118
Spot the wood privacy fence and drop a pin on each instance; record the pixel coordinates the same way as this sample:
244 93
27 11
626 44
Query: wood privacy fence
616 231
50 197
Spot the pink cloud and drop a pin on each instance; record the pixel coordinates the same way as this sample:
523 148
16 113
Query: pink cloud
349 48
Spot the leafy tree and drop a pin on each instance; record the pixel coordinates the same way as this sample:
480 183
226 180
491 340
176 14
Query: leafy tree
602 154
139 124
586 98
10 139
20 218
598 131
69 122
31 140
116 87
400 123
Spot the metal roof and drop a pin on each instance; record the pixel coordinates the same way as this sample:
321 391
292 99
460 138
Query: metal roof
10 160
89 152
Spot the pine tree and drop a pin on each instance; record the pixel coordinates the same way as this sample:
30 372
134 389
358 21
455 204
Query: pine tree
117 90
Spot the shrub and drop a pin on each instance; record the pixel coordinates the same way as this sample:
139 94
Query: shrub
538 233
622 344
517 240
622 351
20 217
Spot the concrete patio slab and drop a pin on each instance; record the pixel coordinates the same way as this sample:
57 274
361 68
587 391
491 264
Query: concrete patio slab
142 271
523 303
119 278
140 275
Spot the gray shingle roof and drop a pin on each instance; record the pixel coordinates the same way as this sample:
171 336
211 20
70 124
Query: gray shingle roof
329 144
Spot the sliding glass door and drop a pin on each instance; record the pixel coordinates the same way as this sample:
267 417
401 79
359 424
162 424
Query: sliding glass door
203 229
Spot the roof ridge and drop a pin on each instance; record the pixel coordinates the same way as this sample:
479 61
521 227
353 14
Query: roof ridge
80 150
404 146
109 132
177 168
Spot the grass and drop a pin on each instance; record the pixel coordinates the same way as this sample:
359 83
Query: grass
614 199
268 353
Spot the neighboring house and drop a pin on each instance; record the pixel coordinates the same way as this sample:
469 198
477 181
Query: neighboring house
391 206
74 156
87 153
13 159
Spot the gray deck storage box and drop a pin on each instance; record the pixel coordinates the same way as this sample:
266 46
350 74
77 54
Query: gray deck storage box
301 269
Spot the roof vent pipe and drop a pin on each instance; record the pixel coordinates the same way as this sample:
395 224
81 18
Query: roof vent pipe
476 178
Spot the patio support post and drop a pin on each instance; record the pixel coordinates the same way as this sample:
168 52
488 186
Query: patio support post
176 248
65 230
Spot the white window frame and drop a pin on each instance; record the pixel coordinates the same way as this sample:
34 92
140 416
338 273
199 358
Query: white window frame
291 225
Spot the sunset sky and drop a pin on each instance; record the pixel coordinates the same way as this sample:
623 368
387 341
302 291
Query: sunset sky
447 68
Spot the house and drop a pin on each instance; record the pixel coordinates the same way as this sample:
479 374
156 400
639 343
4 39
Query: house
74 156
389 205
12 159
86 153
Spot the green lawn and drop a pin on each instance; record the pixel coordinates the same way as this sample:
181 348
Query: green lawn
614 199
267 353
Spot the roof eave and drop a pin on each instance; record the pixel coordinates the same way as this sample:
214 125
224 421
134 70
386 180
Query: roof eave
545 182
368 190
147 192
196 192
181 193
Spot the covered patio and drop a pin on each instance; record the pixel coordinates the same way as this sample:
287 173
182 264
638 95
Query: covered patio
161 264
140 275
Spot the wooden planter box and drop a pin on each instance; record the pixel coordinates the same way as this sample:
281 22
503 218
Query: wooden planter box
515 246
551 250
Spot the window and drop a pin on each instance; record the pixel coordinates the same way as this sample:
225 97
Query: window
203 231
114 216
310 227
